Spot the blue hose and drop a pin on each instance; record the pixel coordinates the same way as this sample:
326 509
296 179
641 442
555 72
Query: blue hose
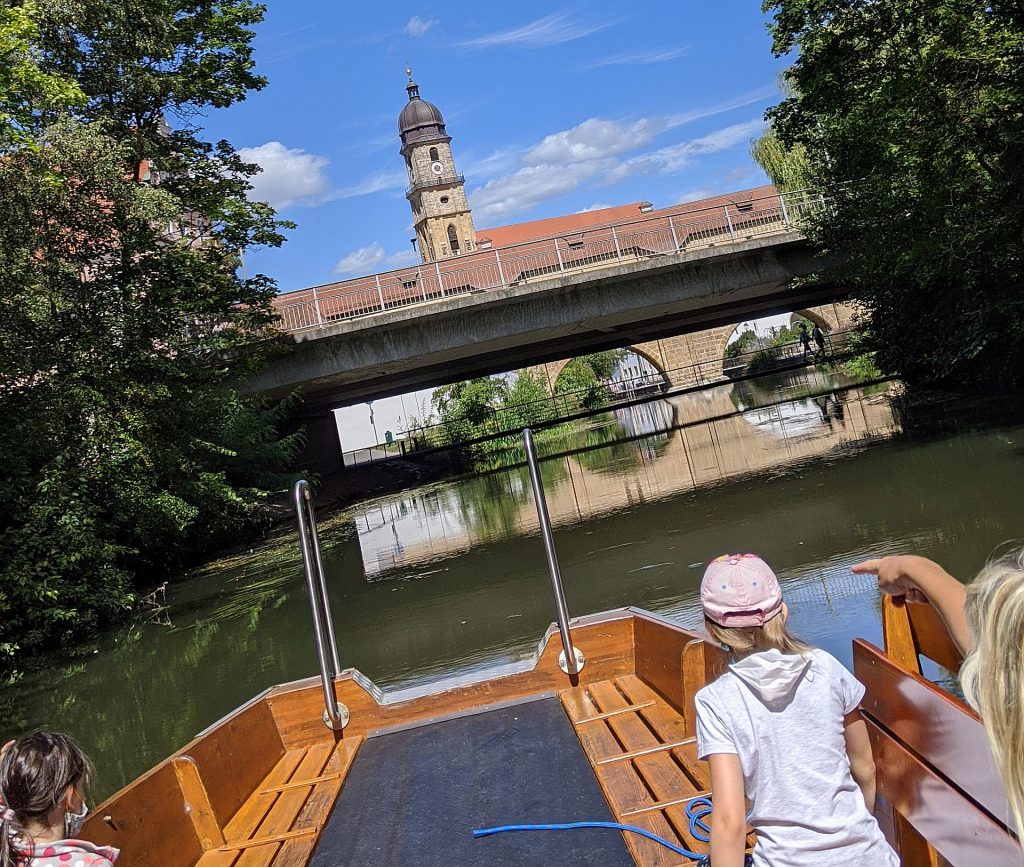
697 812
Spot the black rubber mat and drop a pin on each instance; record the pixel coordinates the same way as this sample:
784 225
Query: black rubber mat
414 797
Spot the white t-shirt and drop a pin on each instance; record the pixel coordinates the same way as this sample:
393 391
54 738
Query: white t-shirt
782 714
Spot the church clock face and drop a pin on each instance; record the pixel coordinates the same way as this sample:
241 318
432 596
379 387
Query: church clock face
436 167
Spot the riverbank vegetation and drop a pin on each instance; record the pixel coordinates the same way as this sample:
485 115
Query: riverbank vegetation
909 116
127 448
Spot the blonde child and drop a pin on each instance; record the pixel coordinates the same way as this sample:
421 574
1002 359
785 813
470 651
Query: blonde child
42 804
986 620
782 732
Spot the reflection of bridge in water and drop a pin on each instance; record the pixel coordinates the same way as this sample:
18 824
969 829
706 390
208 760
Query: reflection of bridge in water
664 448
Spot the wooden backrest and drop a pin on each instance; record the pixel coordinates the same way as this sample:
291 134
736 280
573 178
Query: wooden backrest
701 663
934 765
235 756
913 630
149 821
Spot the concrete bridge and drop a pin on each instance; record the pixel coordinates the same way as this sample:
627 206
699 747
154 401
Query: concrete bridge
632 284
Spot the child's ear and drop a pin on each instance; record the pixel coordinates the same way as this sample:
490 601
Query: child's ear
785 613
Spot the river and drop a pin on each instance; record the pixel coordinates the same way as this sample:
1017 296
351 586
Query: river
438 582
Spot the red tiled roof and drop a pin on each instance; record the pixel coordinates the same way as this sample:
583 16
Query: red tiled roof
502 236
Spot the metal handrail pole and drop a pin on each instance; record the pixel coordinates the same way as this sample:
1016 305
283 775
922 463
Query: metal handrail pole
572 669
332 715
785 213
328 618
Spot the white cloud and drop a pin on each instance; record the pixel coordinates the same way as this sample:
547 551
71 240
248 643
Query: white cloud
521 190
638 58
597 206
554 29
417 26
361 261
290 175
373 258
675 157
402 258
741 101
696 194
373 183
593 139
595 152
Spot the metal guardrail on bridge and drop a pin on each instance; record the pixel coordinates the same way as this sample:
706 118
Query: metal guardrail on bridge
589 249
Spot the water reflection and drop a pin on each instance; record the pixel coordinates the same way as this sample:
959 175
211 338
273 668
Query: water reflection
451 577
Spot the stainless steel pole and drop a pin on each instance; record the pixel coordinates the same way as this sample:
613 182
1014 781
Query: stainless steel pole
335 714
571 659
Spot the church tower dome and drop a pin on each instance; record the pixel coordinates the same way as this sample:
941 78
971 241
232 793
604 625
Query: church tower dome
436 194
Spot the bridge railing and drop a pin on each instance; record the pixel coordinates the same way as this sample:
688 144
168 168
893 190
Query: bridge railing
591 248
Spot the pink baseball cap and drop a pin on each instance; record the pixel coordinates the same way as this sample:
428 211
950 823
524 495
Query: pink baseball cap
740 590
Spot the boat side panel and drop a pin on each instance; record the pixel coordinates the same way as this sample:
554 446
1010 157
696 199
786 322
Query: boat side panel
942 731
235 756
958 830
660 646
608 646
152 818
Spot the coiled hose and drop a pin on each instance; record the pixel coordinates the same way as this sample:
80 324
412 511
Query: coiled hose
697 812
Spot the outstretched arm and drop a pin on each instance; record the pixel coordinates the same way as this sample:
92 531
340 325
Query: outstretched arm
728 818
919 579
862 762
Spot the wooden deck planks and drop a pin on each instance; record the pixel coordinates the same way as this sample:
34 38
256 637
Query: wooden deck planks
312 779
638 719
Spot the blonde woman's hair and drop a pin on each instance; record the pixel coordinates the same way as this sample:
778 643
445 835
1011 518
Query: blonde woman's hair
750 639
993 672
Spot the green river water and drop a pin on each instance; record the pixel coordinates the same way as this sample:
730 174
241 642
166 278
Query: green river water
442 581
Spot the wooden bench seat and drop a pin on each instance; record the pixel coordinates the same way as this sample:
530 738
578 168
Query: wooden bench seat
280 821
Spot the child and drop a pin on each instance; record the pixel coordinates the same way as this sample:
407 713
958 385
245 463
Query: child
986 620
42 781
781 727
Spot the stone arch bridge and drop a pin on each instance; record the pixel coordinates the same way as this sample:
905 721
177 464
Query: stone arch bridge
698 357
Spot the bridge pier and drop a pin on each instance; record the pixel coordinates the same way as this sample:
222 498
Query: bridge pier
321 450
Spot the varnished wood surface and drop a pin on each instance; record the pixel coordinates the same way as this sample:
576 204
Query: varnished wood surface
915 629
931 723
644 760
606 641
959 831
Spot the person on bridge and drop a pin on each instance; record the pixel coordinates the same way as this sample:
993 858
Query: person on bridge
819 340
781 731
805 340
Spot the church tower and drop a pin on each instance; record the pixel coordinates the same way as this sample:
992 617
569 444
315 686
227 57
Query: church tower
437 195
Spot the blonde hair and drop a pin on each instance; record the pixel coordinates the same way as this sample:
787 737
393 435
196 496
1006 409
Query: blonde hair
750 639
993 672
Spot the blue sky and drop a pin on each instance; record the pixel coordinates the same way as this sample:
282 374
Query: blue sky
553 109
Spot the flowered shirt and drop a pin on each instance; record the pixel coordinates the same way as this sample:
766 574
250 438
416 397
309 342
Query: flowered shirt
70 853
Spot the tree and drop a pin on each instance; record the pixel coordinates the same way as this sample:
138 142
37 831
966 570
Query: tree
584 380
128 447
526 401
912 116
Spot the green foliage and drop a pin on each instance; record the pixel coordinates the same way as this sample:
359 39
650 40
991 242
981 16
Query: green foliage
741 344
912 116
584 380
128 448
526 402
788 168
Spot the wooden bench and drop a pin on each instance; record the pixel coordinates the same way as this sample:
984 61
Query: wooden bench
232 797
941 800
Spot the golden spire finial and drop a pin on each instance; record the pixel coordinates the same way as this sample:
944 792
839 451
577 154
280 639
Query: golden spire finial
408 71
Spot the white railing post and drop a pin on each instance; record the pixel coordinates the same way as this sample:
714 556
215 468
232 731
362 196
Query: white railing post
675 237
728 219
615 238
785 213
440 282
501 272
558 253
316 308
380 294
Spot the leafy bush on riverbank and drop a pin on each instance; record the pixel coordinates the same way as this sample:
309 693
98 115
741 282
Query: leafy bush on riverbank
127 448
908 118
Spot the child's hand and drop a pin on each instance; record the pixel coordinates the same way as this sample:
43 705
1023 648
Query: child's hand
895 575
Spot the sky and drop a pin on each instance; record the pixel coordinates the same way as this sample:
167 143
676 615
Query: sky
552 109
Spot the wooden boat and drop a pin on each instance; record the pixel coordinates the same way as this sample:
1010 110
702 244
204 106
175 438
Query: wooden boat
602 733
